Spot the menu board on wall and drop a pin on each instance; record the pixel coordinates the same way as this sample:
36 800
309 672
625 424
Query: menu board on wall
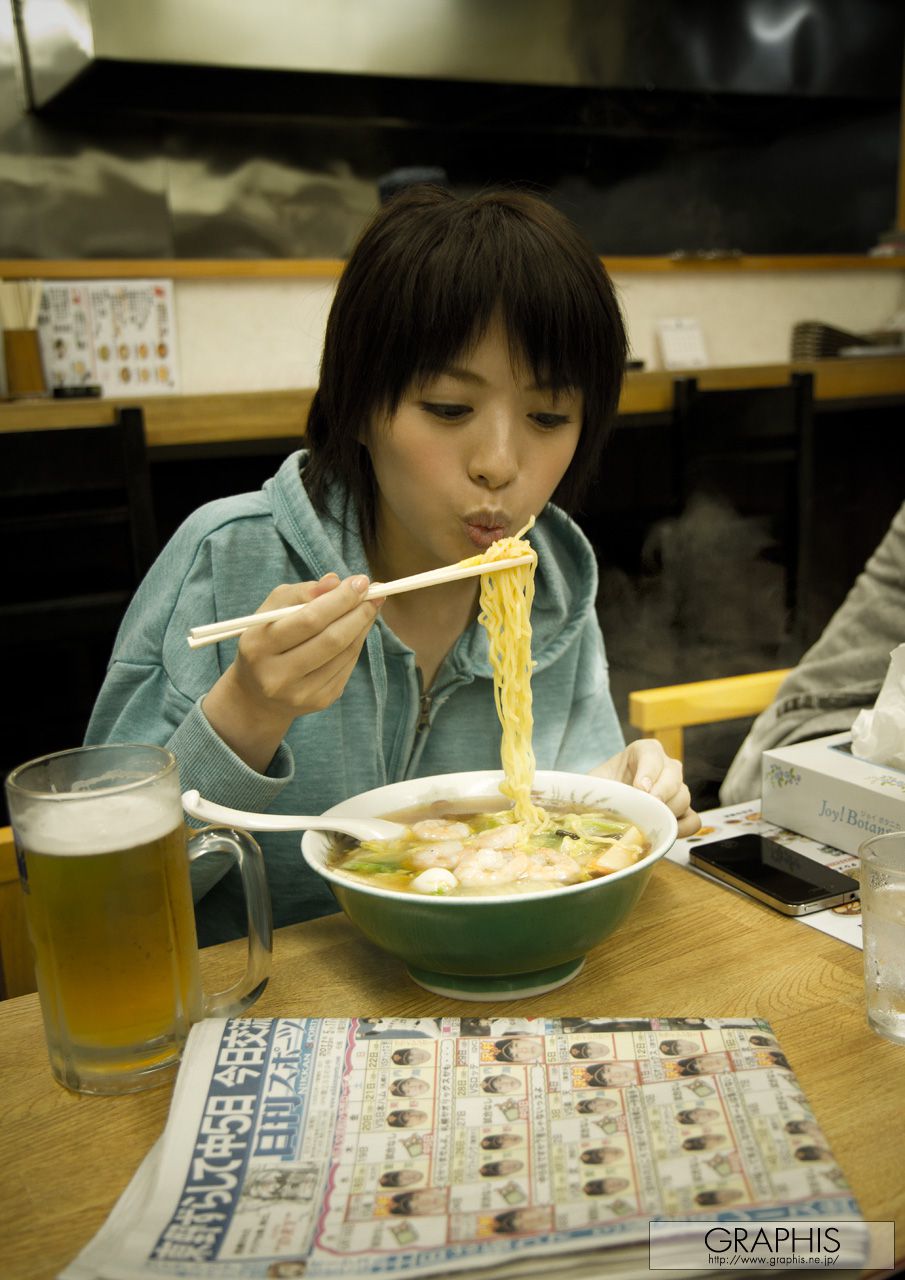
119 335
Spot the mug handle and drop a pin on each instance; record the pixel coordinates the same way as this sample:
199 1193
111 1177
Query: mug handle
247 854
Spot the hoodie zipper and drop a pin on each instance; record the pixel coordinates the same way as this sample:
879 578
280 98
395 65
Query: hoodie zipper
425 702
422 724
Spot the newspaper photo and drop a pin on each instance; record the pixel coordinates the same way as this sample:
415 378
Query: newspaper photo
385 1147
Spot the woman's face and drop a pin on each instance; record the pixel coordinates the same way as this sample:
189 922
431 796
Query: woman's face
597 1106
501 1168
701 1115
605 1186
707 1063
679 1048
531 1220
523 1051
408 1119
707 1142
468 458
590 1049
501 1084
400 1178
410 1087
602 1155
428 1201
410 1057
725 1195
500 1141
613 1074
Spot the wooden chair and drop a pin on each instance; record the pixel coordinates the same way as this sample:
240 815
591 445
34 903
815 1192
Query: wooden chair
754 447
666 712
77 526
17 970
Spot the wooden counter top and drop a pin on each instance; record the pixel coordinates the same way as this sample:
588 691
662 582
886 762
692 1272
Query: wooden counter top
859 378
331 268
174 421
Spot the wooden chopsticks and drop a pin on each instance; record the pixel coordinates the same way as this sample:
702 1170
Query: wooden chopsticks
229 628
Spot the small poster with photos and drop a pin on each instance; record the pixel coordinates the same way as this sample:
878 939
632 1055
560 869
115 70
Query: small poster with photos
116 334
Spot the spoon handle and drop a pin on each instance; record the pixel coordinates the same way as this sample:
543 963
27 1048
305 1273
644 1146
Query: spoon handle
208 811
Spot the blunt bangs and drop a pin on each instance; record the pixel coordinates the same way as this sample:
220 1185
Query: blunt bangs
421 288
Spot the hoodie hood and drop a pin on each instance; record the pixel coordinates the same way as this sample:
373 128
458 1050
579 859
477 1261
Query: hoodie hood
328 543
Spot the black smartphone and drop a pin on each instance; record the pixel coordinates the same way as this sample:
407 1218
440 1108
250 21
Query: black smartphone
784 879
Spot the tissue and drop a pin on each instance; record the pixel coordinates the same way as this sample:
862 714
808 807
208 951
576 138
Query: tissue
879 734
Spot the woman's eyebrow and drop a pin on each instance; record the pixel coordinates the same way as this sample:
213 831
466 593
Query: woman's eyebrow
460 374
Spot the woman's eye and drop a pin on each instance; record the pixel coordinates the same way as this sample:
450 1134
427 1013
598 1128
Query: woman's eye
549 420
447 412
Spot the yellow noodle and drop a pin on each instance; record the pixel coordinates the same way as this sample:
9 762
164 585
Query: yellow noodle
506 600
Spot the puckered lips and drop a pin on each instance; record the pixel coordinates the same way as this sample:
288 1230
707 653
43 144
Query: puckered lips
485 526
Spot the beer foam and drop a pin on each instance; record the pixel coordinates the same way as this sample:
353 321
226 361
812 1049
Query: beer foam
101 824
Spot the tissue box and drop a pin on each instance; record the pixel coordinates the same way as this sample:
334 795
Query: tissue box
821 790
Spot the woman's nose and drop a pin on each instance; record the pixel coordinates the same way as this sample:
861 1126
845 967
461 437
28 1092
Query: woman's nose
494 458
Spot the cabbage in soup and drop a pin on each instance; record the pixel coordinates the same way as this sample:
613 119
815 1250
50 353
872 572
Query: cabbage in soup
458 849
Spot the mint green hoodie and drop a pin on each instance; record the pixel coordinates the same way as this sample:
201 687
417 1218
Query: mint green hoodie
222 563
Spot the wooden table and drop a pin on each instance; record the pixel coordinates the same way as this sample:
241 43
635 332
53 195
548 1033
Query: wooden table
691 948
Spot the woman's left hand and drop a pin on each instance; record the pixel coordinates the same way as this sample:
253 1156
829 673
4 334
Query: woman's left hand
644 764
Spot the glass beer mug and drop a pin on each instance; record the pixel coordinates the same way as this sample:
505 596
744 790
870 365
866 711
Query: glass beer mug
103 860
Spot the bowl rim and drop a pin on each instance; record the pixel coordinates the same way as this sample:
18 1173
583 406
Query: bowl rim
497 899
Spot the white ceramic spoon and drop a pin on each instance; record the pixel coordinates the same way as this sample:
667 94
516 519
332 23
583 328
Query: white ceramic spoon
358 828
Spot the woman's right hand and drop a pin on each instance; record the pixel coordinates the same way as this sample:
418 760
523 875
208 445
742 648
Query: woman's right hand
290 667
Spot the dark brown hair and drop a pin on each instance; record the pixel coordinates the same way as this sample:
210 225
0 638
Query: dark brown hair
421 287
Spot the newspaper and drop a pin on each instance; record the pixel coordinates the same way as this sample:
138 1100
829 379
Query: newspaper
842 922
367 1147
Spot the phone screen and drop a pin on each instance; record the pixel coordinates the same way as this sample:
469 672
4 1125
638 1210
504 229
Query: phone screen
778 872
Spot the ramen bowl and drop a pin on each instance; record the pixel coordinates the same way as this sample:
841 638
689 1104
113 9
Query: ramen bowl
509 945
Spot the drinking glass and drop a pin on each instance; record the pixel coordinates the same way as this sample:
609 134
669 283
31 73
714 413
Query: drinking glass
103 858
883 924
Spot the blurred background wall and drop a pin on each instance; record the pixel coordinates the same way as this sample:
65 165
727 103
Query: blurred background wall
212 128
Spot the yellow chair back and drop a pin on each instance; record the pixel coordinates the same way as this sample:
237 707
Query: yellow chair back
17 969
666 712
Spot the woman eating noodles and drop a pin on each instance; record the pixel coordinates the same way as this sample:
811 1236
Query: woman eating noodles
470 377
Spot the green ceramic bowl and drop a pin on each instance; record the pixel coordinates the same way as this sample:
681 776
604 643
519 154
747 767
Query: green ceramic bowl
509 945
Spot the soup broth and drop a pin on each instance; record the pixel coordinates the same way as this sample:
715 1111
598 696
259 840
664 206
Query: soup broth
470 848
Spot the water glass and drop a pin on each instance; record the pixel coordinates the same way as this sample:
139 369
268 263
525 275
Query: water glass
103 860
883 923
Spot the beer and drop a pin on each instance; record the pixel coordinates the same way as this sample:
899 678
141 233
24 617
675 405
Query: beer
109 908
104 866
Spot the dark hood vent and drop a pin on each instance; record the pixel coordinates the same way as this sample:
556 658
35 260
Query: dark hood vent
150 53
264 128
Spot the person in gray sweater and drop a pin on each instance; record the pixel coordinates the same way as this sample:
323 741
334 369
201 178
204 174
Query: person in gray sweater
840 674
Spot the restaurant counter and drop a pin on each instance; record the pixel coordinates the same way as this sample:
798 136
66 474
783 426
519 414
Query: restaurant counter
179 423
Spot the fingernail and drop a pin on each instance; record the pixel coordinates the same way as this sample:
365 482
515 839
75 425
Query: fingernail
359 584
645 784
329 579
